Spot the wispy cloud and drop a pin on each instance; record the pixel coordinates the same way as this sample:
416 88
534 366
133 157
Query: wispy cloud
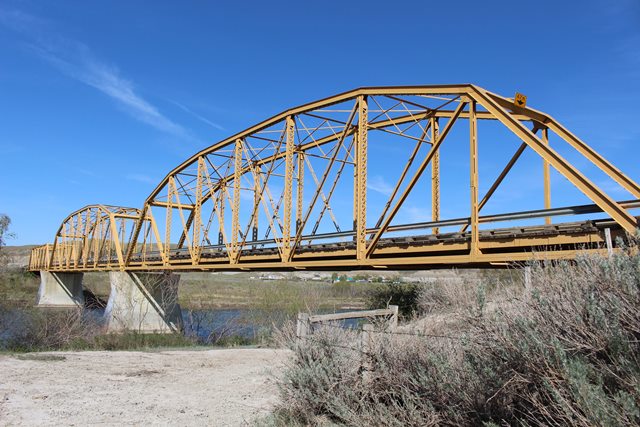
76 60
198 116
86 172
613 189
142 178
416 214
378 184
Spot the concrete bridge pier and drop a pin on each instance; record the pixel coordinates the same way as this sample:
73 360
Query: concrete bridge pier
60 290
143 302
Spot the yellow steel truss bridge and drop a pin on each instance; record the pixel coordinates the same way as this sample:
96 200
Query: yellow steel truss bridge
354 181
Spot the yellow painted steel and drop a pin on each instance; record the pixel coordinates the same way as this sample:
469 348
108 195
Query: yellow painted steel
473 167
546 176
274 156
288 188
361 188
435 176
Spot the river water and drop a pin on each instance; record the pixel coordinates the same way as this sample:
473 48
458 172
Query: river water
208 326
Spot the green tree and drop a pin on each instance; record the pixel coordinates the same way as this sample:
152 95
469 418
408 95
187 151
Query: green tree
5 221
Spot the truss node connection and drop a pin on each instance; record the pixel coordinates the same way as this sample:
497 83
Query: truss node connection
378 177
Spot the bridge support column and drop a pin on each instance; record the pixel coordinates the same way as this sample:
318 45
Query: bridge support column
143 302
60 290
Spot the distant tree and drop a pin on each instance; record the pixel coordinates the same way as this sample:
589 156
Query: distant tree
5 221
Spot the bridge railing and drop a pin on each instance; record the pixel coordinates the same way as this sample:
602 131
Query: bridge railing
75 255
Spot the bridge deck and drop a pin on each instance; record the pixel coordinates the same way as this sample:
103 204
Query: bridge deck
499 246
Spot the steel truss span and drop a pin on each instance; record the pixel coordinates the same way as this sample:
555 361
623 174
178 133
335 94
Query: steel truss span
354 181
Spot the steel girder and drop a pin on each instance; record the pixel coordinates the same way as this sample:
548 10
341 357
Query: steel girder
296 172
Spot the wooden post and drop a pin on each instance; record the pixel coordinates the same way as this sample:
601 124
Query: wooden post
393 321
607 236
527 278
367 346
302 329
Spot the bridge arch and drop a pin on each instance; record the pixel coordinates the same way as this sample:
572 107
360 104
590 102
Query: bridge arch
295 191
90 236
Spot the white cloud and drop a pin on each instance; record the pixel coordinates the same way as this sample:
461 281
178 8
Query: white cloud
415 214
77 61
613 189
378 184
198 116
86 172
142 178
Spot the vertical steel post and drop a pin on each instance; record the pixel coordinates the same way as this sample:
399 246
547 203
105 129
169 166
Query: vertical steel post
355 187
547 177
85 240
235 210
256 202
76 233
97 236
288 189
68 247
361 166
156 233
169 213
435 176
300 193
473 143
221 213
116 240
197 213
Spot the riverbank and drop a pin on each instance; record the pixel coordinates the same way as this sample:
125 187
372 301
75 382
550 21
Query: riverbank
284 291
185 387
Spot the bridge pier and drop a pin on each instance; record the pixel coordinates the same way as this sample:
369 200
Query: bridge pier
143 302
60 290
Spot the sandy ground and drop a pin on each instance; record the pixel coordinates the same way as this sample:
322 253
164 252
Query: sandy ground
227 387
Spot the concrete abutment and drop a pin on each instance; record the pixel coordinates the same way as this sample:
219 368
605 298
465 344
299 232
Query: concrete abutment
60 290
143 302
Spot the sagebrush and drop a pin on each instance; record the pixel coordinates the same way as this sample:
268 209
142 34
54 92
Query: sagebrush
563 352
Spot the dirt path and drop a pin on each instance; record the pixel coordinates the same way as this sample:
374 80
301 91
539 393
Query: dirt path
227 387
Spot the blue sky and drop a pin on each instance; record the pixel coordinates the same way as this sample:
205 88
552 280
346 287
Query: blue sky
99 100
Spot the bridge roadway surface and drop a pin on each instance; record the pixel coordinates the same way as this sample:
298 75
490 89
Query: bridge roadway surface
445 250
499 246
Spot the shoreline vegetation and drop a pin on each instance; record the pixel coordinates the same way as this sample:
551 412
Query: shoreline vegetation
472 347
219 309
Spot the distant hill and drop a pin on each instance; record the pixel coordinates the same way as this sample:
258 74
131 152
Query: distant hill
18 255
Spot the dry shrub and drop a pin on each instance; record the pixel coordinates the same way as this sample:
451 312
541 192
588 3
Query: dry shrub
41 330
565 352
447 296
38 329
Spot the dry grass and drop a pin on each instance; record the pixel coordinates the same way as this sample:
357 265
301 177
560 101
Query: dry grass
564 352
